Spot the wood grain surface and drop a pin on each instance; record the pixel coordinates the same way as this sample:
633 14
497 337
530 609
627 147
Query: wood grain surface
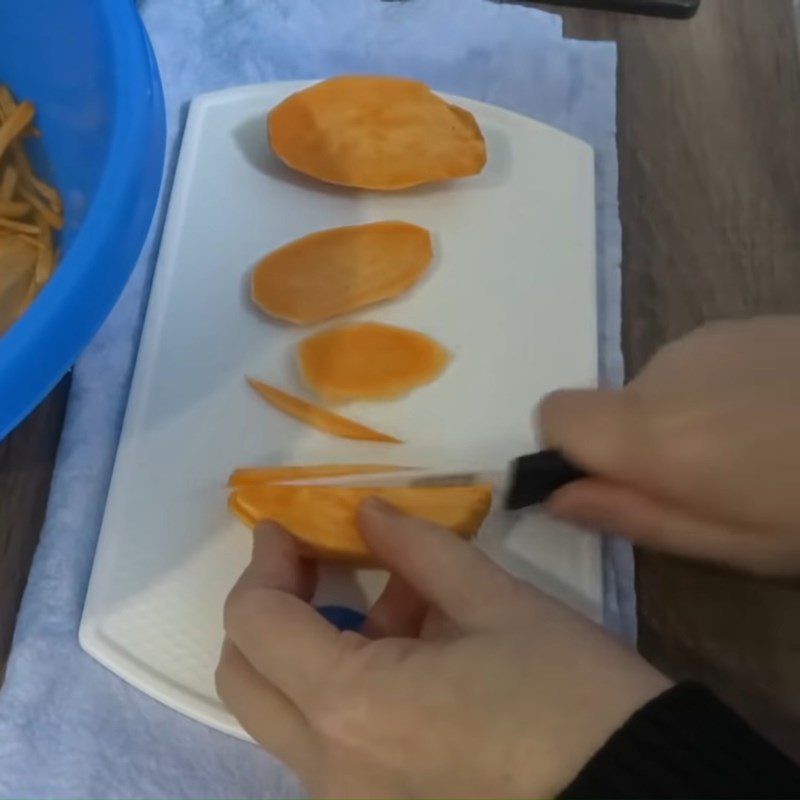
26 466
709 145
709 148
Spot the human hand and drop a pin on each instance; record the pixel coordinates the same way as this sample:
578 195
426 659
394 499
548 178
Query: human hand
700 454
464 682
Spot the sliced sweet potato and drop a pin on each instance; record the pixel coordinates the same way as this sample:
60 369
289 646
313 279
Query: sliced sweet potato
375 132
336 271
369 361
316 417
323 518
235 507
17 263
247 476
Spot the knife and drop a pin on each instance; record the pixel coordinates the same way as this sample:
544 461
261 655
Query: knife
528 481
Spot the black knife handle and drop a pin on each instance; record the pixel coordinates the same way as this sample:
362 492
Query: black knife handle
680 9
535 477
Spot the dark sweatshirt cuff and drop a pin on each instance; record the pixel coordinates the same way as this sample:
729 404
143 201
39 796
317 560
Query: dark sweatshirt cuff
686 744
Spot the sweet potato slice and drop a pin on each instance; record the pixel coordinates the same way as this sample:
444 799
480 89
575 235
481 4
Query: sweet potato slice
323 518
336 271
247 476
369 361
375 132
235 507
316 417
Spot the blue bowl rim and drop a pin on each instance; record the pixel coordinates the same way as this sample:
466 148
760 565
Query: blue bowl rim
51 333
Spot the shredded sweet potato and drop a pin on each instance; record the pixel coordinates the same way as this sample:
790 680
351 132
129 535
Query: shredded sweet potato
316 417
247 476
333 272
324 518
375 132
369 361
29 211
17 264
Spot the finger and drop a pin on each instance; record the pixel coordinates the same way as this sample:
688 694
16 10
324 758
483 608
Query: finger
283 637
602 431
446 571
650 523
399 611
276 561
265 713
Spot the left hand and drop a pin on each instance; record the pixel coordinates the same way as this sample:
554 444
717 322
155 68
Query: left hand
464 682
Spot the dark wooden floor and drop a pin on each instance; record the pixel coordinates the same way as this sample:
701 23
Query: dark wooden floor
709 144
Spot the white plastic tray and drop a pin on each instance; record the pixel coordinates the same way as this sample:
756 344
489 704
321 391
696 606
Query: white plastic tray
511 293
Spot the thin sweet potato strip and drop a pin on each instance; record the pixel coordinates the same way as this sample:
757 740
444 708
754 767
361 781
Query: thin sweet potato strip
8 183
14 124
43 208
248 476
317 417
20 227
30 211
14 209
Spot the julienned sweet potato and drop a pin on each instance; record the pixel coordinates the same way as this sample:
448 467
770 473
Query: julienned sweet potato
324 518
369 361
316 417
375 132
336 271
248 476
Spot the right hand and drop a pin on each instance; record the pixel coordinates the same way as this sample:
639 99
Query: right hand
700 454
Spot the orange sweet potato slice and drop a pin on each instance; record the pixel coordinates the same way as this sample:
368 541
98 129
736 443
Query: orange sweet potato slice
336 271
235 507
375 132
316 417
247 476
323 518
369 361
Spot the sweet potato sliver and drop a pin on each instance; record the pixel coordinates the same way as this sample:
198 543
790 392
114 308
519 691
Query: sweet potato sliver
369 361
17 260
336 271
248 476
14 124
29 211
324 518
43 208
14 209
8 183
235 507
375 132
20 227
317 417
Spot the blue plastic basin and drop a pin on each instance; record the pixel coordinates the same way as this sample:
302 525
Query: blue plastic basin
88 67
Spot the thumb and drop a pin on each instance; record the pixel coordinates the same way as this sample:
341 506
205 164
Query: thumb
451 574
603 431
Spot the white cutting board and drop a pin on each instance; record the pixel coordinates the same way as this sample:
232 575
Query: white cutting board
511 292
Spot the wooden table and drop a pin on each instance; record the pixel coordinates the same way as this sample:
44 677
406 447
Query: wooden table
709 144
709 148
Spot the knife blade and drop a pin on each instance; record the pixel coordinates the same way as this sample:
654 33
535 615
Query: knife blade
528 481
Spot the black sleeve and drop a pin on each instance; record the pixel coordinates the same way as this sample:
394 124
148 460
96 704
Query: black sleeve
686 744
